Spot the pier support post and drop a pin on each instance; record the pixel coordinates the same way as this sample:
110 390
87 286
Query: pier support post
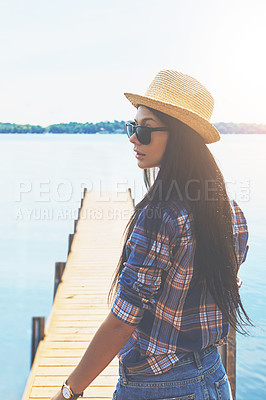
223 353
70 239
84 193
37 334
231 360
228 355
59 269
75 225
79 209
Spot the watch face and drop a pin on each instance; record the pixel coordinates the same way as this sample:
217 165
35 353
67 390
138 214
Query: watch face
66 393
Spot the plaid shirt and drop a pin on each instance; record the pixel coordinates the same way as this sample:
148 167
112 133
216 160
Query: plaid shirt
171 317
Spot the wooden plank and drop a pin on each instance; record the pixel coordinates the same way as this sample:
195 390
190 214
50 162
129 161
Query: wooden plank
79 323
64 371
61 345
68 337
75 329
79 313
48 392
63 352
95 300
56 381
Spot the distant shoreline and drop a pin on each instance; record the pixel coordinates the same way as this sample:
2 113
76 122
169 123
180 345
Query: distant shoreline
116 127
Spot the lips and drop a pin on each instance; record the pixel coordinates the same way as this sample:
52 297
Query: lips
139 153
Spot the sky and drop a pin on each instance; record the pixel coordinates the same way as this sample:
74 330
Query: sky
72 60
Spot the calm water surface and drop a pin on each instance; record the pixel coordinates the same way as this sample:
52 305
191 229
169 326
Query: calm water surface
42 180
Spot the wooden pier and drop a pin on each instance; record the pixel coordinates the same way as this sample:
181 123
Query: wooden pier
80 300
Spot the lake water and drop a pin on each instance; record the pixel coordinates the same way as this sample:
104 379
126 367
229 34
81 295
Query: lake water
42 180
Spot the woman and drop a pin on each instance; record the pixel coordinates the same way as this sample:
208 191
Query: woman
176 286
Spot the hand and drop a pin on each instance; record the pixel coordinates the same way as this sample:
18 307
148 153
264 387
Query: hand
58 396
239 282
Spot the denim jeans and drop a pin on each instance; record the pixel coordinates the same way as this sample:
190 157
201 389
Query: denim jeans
198 375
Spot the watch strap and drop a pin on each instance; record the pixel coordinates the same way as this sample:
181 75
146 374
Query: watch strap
73 395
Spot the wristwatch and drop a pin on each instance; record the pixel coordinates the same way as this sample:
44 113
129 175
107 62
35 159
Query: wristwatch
68 393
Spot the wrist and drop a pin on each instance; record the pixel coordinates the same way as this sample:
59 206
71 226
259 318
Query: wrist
68 392
72 382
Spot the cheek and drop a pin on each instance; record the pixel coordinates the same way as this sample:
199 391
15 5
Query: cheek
157 147
161 145
156 153
165 142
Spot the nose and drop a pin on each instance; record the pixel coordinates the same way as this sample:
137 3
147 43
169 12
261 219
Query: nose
133 139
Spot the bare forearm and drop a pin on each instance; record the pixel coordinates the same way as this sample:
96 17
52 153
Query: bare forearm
106 343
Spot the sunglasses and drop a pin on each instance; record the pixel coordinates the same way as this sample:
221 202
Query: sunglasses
143 132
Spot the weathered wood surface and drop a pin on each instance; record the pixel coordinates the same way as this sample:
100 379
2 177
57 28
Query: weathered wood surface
80 302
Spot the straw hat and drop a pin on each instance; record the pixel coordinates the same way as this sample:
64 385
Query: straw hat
183 98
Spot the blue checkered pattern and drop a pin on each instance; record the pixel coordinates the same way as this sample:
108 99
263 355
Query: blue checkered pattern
172 317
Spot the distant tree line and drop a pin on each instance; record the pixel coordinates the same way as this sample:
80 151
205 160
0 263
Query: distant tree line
108 127
71 127
231 127
14 128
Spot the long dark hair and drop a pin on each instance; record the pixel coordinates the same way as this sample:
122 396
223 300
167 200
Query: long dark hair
188 162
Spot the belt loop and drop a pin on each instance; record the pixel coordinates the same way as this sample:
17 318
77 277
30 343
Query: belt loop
122 373
197 359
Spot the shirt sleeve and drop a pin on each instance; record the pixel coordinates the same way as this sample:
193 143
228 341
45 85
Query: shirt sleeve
148 254
241 234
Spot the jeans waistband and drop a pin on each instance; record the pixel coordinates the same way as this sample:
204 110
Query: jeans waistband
193 356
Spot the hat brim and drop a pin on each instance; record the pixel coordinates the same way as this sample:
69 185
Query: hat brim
208 131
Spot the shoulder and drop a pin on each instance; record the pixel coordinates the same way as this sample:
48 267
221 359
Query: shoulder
182 219
169 218
240 232
166 211
177 211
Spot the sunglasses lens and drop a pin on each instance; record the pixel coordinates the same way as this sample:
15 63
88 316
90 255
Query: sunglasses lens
143 134
130 130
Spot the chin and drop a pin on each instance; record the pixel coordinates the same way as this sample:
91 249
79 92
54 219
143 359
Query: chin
142 166
146 166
